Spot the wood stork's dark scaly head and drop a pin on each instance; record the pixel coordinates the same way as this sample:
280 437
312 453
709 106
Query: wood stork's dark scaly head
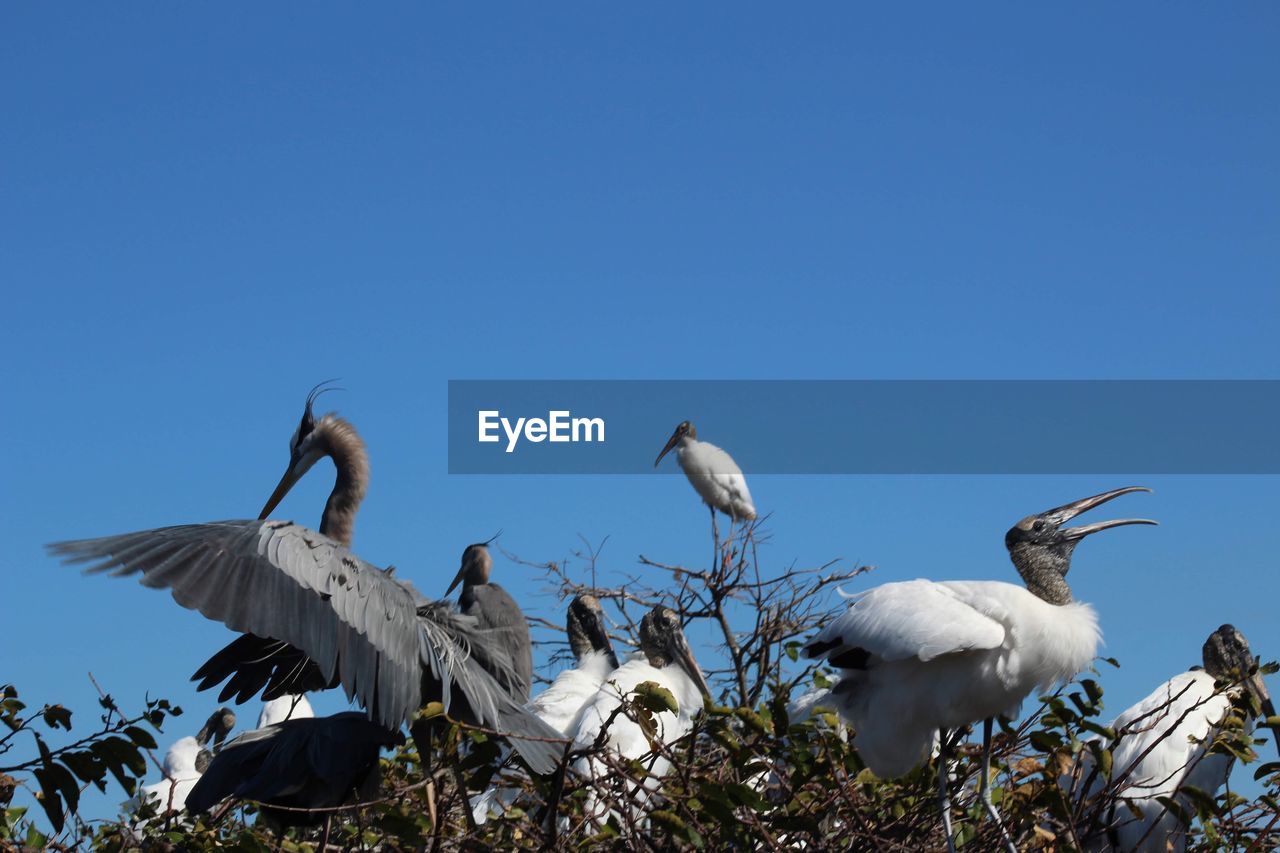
684 430
587 629
216 728
476 565
663 643
307 446
1041 547
1227 657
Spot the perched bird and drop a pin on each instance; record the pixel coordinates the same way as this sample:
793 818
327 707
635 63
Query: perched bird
562 703
1162 746
918 658
497 613
714 475
287 707
314 615
296 765
665 660
185 760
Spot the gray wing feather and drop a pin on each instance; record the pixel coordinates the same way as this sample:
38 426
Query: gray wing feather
281 580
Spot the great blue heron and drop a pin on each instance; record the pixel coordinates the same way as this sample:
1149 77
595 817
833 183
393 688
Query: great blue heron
315 615
184 761
666 660
562 703
497 614
1162 748
714 475
295 766
921 657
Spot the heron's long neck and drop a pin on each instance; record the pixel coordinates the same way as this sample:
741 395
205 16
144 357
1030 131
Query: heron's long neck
1044 571
352 462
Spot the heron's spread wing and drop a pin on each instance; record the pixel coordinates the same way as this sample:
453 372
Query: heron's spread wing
280 580
896 621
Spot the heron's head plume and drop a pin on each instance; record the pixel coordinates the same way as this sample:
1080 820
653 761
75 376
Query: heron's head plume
663 642
587 629
476 565
684 429
1041 547
311 441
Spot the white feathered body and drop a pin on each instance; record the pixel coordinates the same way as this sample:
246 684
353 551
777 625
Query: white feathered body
559 706
944 655
288 707
625 737
716 478
1174 727
181 776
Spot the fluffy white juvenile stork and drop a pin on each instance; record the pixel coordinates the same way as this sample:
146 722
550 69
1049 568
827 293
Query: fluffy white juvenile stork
183 764
666 660
918 658
1163 746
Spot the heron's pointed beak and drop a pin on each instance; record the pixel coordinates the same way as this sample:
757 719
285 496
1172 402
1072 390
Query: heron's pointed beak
287 482
671 442
683 655
457 579
1066 512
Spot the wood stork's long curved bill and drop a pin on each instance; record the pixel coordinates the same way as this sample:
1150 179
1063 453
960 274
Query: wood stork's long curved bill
678 651
1066 512
679 433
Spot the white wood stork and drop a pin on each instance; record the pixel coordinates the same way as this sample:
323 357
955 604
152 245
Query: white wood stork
183 764
562 703
712 472
1162 747
921 657
666 660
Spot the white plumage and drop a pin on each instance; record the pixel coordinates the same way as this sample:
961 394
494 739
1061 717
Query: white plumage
625 737
1162 747
665 660
288 707
940 655
712 472
181 776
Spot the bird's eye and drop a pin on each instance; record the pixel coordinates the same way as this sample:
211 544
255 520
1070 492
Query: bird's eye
1039 525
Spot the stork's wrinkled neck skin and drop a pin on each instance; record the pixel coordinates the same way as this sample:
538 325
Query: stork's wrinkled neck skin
586 628
1044 569
344 446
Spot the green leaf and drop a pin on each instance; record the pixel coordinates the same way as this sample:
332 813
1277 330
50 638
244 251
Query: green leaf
141 737
55 716
653 697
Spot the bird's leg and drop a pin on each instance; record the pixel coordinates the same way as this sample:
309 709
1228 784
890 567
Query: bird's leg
715 540
984 786
466 800
944 799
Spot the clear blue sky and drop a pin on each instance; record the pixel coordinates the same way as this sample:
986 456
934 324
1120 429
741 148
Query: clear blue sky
206 210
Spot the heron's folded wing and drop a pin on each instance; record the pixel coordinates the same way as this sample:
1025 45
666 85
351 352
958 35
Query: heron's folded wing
280 580
897 621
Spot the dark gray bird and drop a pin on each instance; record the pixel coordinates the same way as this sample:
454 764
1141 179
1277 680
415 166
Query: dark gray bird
497 613
294 765
314 615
